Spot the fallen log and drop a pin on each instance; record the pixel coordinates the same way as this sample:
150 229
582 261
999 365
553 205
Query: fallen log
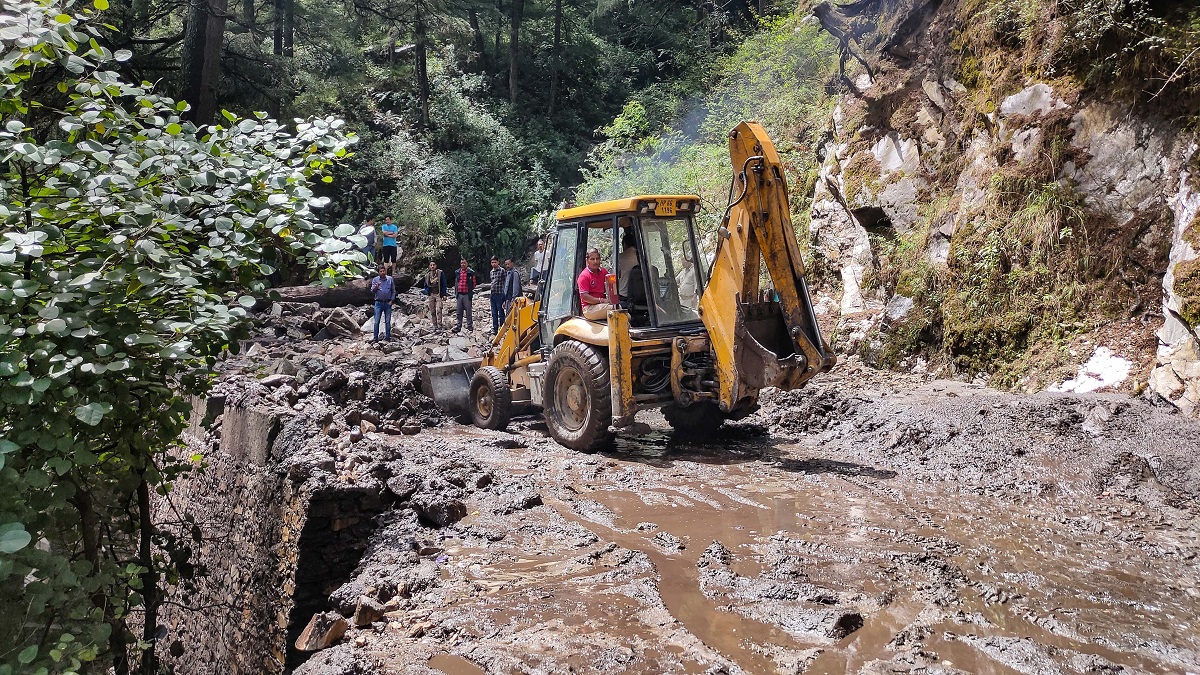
354 292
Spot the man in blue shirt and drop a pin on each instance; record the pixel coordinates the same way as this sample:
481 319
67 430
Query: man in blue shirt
387 254
383 288
512 284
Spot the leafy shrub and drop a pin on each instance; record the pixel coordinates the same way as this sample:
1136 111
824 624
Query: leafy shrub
130 240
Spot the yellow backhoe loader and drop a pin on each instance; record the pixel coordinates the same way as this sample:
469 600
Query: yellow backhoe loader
697 340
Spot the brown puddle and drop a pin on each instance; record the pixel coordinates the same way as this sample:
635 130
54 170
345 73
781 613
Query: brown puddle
455 665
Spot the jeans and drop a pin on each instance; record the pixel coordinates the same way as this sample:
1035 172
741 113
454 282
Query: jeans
383 307
534 275
497 312
462 303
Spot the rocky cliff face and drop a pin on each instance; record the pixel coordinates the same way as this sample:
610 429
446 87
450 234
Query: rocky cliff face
1007 220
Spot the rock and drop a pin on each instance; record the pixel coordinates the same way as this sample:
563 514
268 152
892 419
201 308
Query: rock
898 307
322 631
410 429
331 379
440 510
341 324
367 612
667 542
897 154
1038 98
404 487
934 91
1025 144
366 426
341 660
408 379
356 434
287 393
284 367
460 342
277 380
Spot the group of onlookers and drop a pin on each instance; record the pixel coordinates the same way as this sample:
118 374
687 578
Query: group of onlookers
389 250
506 283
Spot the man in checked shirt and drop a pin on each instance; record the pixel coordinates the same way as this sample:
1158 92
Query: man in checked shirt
497 294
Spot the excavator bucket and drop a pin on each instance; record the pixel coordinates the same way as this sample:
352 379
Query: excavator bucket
449 384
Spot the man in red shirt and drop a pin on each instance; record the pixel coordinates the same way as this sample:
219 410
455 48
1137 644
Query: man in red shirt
593 289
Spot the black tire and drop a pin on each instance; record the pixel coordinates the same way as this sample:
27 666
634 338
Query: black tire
577 401
697 420
491 399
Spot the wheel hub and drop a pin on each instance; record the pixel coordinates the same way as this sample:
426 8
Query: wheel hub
571 400
575 398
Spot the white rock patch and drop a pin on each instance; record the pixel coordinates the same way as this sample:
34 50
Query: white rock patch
1104 369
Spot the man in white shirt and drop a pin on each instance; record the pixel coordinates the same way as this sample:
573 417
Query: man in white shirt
626 261
687 283
539 262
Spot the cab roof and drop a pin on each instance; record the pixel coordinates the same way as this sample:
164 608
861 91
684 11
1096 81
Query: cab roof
618 206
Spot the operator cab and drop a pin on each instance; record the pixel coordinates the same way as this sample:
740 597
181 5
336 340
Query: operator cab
647 242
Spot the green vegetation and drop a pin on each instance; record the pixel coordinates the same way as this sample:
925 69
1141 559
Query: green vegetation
131 240
678 143
474 117
1136 50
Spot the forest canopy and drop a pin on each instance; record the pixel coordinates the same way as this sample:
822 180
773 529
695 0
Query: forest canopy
473 117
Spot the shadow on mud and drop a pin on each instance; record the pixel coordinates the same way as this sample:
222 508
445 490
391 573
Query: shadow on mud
818 466
662 447
730 445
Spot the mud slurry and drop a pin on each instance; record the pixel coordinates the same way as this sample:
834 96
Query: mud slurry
871 523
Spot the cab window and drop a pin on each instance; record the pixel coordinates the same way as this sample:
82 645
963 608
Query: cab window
675 281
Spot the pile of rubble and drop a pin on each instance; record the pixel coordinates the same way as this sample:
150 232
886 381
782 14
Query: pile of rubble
412 331
323 366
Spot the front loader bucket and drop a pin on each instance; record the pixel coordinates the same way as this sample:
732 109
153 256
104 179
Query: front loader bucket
449 384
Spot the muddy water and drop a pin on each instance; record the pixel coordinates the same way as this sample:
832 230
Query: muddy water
454 665
938 574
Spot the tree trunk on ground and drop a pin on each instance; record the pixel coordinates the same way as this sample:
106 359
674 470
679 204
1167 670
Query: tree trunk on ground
356 292
514 34
203 45
556 58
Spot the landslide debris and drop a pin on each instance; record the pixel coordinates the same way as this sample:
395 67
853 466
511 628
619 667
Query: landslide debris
873 522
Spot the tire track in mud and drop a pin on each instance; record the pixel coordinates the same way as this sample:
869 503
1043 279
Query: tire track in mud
679 588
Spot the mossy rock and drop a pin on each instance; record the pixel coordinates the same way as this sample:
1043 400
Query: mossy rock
861 176
1187 290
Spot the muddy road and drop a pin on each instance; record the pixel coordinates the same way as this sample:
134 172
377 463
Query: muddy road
873 523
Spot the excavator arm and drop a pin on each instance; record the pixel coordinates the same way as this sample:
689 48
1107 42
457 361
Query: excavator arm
760 336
